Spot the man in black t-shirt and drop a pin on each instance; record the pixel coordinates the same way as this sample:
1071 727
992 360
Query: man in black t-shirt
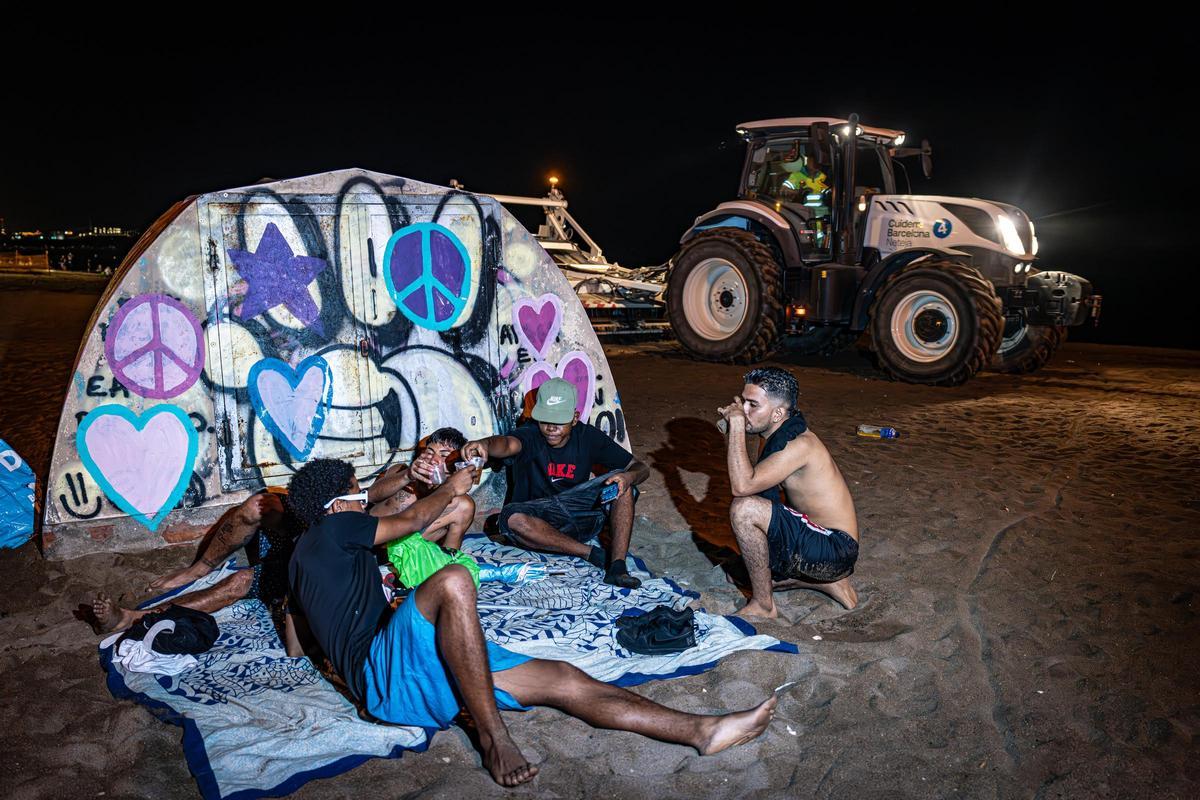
555 505
416 665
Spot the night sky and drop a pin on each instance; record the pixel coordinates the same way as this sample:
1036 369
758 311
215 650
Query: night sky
1086 135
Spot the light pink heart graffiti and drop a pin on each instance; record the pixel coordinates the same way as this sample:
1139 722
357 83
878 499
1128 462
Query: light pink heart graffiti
143 467
538 322
576 368
535 375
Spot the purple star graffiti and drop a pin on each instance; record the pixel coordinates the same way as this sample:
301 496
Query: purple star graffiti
275 276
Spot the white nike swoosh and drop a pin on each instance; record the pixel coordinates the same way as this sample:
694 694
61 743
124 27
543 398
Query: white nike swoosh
556 401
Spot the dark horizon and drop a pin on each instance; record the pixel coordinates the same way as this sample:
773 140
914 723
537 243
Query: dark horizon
643 141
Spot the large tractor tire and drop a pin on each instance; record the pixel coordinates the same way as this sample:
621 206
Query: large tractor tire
1026 348
725 297
936 321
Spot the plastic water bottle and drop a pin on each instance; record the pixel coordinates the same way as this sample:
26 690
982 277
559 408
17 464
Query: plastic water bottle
876 432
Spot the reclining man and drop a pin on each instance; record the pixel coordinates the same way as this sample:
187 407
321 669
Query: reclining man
811 541
259 524
554 505
269 533
412 666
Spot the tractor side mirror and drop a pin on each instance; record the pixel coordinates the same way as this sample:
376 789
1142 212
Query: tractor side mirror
820 146
926 159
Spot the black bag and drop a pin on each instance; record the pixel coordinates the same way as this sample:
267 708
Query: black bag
194 631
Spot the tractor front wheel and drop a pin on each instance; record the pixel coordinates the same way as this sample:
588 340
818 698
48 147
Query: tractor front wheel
1026 348
936 321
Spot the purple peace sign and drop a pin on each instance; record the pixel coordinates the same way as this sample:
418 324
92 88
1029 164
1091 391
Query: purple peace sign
428 274
154 346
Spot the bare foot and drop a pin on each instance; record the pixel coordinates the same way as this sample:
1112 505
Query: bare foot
110 616
841 591
173 580
505 763
734 729
754 609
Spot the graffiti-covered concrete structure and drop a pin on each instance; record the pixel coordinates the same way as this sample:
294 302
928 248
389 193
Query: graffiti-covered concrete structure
341 315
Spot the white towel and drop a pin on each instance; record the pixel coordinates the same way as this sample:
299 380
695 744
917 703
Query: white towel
139 656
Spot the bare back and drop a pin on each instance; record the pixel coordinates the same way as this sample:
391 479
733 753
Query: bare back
816 486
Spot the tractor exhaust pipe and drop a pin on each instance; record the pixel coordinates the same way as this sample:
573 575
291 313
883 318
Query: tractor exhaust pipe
846 240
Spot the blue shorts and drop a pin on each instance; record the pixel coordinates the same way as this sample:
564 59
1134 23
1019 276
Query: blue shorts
405 680
802 549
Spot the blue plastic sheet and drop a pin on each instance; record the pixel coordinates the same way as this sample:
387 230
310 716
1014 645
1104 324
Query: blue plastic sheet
16 498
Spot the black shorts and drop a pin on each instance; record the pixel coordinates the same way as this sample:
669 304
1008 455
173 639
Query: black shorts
803 550
270 564
576 512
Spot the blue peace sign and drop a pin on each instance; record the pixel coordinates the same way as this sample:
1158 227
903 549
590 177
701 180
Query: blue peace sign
428 274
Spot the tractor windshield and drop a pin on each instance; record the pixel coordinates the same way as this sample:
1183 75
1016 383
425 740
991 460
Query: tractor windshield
780 172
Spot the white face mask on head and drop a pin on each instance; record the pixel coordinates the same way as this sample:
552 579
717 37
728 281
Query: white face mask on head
350 498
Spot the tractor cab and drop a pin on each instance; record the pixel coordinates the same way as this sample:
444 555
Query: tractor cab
796 167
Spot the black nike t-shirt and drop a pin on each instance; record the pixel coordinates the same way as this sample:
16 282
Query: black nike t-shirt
540 470
334 579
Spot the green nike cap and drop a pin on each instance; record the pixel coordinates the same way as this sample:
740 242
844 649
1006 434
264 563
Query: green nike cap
555 402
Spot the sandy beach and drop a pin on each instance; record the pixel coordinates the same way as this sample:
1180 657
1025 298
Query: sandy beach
1027 626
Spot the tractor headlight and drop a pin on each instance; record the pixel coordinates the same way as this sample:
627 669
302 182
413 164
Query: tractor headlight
1009 236
899 140
1033 245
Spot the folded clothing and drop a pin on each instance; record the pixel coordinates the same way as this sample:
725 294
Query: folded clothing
192 631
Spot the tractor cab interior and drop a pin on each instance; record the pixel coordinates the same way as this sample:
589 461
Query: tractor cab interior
781 173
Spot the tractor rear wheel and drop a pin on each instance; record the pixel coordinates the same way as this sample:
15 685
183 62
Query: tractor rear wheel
725 297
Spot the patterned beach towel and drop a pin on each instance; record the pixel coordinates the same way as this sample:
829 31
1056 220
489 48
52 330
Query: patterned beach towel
259 724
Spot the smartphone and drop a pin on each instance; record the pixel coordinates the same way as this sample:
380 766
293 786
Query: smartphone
610 492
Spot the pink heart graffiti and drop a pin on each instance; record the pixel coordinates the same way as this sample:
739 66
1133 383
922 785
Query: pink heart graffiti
538 322
575 368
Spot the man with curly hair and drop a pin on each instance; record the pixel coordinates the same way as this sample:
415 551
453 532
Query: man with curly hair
413 666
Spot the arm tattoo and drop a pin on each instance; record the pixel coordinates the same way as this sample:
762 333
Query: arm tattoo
222 544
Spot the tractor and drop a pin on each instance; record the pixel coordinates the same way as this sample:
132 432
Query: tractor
820 249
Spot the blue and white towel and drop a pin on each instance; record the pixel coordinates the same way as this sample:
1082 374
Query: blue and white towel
259 724
570 617
255 722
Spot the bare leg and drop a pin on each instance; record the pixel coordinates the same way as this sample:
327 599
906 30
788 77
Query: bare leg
450 528
841 591
751 516
621 521
563 686
112 617
447 599
233 529
537 534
